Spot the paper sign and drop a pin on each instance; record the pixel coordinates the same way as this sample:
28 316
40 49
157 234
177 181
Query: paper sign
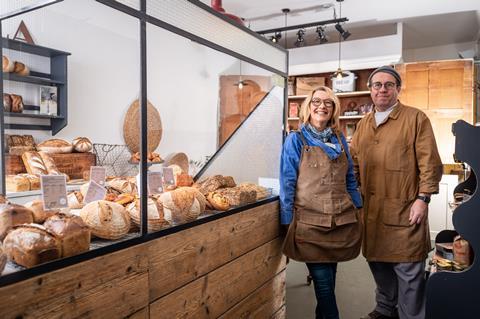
97 174
155 183
94 192
54 191
168 177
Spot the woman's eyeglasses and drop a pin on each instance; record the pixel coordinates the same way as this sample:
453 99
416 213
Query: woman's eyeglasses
327 103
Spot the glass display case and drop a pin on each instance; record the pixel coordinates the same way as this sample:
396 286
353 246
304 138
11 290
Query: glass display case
151 117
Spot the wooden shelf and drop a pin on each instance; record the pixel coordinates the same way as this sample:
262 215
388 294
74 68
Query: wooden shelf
355 93
293 119
30 79
297 97
351 117
33 115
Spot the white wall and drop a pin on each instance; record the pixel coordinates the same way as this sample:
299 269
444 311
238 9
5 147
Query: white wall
104 75
443 52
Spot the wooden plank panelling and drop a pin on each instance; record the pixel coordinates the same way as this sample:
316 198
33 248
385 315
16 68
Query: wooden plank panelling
182 257
281 314
141 314
262 303
78 284
213 294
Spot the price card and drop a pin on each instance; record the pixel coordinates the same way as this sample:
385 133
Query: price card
95 192
168 177
54 191
97 174
155 183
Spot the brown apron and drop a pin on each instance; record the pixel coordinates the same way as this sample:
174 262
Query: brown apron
326 226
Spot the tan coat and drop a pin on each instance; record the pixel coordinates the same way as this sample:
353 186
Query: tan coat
326 225
395 162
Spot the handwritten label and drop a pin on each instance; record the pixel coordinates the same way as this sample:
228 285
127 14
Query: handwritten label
54 191
155 183
168 177
95 192
97 174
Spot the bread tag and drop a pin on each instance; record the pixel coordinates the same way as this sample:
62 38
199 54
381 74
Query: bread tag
168 177
155 183
97 174
95 192
54 191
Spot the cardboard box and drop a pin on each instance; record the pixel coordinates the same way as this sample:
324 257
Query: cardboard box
304 85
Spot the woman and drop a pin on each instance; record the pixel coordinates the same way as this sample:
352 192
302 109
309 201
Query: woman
319 197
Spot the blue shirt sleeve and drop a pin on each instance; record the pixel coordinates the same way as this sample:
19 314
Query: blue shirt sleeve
352 186
289 165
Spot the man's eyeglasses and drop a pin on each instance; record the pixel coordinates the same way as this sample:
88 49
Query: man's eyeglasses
327 103
387 85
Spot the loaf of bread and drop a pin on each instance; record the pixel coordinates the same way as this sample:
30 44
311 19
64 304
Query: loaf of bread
238 196
7 64
34 181
7 103
34 164
180 159
39 214
82 145
17 103
182 180
106 219
157 217
183 204
213 183
19 144
3 259
12 215
218 201
21 69
75 200
31 245
124 199
55 146
50 165
261 191
17 183
73 233
123 185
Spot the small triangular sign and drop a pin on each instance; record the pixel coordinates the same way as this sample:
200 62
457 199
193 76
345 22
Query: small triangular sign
23 34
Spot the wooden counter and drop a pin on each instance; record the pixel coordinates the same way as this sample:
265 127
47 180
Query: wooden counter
231 267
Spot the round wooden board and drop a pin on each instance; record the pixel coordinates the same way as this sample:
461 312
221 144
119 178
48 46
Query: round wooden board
131 127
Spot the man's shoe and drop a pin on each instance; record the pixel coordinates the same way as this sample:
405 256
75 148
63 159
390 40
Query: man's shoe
377 315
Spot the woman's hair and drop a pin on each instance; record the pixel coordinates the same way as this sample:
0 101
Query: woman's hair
305 109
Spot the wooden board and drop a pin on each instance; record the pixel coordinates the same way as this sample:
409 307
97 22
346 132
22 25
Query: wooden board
201 249
280 314
263 302
72 164
213 294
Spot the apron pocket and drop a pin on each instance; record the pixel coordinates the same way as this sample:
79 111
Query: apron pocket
396 212
346 218
316 219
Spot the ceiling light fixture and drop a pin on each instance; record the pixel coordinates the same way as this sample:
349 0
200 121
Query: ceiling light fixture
321 37
344 33
339 74
275 38
300 42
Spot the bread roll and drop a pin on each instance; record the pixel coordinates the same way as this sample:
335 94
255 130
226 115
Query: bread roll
73 233
11 215
123 185
218 201
31 245
7 64
3 259
157 217
184 204
182 180
39 214
107 220
17 103
55 145
21 69
75 200
82 145
17 183
7 103
34 164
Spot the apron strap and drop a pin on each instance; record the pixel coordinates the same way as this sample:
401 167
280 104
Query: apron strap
304 142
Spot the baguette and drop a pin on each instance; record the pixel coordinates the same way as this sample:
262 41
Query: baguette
34 164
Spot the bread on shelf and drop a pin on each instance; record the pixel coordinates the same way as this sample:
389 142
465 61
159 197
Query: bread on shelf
238 196
39 213
184 204
21 69
73 233
213 183
3 259
31 244
12 215
55 146
106 219
7 103
157 217
218 201
75 200
17 183
7 64
82 145
34 164
34 181
17 103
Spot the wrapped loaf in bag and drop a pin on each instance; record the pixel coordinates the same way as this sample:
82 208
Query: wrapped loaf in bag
31 245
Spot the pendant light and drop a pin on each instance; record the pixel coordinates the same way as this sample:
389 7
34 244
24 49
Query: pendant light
240 84
339 74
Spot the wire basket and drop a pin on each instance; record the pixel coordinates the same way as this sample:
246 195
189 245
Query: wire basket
115 158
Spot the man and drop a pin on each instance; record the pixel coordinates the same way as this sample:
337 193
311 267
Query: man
398 165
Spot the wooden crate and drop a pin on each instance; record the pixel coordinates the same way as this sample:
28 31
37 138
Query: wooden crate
73 164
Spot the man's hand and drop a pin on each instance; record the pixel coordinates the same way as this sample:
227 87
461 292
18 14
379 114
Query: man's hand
418 212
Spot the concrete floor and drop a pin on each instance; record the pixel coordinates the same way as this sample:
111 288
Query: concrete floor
355 290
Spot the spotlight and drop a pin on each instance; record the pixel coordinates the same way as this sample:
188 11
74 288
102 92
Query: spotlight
322 37
345 34
300 42
275 38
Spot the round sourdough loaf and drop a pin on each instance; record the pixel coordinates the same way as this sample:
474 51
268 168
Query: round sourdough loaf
82 145
106 219
184 204
157 217
55 145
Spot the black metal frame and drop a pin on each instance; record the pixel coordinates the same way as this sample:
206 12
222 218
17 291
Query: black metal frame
303 26
144 235
28 9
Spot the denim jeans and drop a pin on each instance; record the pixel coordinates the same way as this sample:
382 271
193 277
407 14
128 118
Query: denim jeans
323 275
